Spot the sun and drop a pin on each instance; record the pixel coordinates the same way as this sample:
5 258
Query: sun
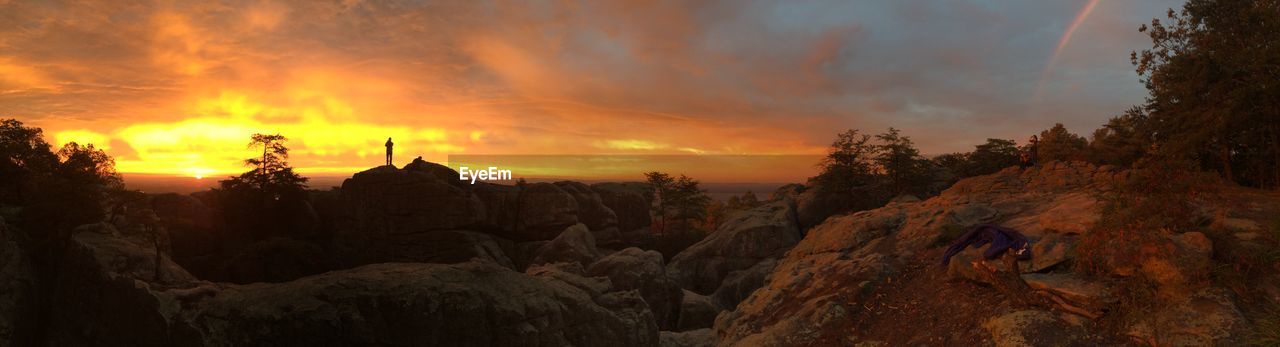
198 172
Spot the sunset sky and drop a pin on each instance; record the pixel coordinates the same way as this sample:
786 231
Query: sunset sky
178 87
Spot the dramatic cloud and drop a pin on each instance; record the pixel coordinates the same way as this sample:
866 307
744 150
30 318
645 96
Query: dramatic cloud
178 87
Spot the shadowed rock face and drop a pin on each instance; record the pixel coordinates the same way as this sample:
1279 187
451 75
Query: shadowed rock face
741 242
384 200
468 304
636 269
628 203
108 295
17 281
591 210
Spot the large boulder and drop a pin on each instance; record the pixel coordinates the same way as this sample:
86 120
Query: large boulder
628 201
468 304
421 197
591 210
636 269
742 241
575 244
545 210
696 312
109 291
17 290
738 285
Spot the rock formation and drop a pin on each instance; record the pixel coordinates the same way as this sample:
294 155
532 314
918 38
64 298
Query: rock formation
823 279
108 295
743 240
636 269
17 285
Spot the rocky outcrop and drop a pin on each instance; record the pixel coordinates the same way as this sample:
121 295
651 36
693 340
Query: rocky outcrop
696 312
110 291
738 285
108 295
545 210
838 260
420 198
591 209
1032 328
627 201
575 245
692 338
742 241
636 269
404 304
17 286
1208 317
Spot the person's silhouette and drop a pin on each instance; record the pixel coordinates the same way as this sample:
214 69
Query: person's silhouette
389 144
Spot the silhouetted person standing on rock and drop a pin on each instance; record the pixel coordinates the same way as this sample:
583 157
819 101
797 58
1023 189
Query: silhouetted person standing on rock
1029 157
389 144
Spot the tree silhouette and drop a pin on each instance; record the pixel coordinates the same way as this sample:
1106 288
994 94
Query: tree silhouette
1212 73
1057 143
901 163
271 173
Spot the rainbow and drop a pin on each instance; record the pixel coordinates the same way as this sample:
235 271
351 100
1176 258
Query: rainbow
1062 43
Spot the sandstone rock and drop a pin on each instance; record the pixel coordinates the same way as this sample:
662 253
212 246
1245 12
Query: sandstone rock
574 245
961 266
107 295
17 286
573 274
1209 317
739 243
1072 293
1178 264
468 304
1238 224
384 200
628 201
838 262
591 210
522 253
636 269
696 312
501 205
738 285
1032 328
904 199
545 210
692 338
106 292
1049 251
